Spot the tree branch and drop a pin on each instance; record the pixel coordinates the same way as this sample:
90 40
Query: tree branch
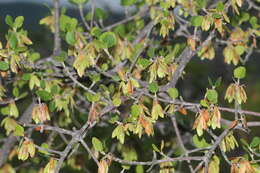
57 40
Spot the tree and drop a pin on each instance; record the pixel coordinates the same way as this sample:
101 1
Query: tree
106 100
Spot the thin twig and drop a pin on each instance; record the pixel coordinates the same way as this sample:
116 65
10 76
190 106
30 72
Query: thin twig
140 14
180 141
176 159
93 5
148 30
81 13
89 151
57 40
52 128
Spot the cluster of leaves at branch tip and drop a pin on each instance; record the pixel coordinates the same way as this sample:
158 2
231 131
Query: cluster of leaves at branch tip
206 52
163 17
229 143
85 53
40 113
209 116
17 42
141 121
160 68
26 149
9 123
128 86
235 91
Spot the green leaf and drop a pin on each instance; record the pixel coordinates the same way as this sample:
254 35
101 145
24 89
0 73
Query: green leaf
44 95
4 66
121 30
100 14
52 106
173 92
93 97
70 38
135 110
108 39
13 40
5 110
196 20
204 103
67 23
34 56
216 15
9 124
19 130
220 6
79 2
210 81
62 57
139 169
23 95
34 81
155 148
96 31
45 146
128 2
18 21
240 72
116 101
253 22
218 82
9 20
13 110
153 87
97 144
240 49
199 142
201 3
26 76
255 142
16 92
244 17
119 133
143 62
129 153
113 119
212 95
95 77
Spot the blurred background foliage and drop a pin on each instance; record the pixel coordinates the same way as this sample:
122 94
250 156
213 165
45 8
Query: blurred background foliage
192 88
